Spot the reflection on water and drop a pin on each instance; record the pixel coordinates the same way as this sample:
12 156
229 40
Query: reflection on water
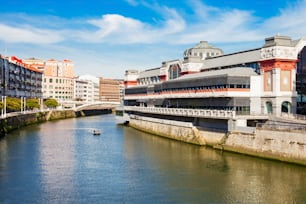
62 162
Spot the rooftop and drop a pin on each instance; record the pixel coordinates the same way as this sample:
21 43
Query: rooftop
232 59
236 71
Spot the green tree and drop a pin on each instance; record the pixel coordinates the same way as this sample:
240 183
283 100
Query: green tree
13 104
51 103
32 103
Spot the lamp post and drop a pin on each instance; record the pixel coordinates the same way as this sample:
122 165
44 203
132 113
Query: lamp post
4 106
21 104
2 110
24 104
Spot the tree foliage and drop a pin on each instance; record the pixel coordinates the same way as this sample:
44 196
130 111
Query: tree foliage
13 104
51 103
32 103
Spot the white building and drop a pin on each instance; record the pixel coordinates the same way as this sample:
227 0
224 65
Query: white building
86 88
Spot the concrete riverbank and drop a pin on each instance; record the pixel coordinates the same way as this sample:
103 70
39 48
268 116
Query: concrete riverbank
23 119
287 146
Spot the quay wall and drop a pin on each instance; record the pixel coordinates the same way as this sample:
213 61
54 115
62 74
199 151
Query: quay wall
23 119
271 144
268 144
182 131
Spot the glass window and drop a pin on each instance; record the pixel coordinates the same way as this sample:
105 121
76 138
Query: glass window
174 71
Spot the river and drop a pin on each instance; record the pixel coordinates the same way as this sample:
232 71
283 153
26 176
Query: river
62 162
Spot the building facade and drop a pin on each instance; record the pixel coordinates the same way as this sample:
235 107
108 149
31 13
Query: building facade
301 81
19 79
86 88
95 85
109 90
58 80
260 81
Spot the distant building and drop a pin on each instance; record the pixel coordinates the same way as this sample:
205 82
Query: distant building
58 80
109 90
86 88
121 85
34 62
18 79
95 85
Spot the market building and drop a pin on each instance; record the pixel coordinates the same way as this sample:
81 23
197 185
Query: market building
259 81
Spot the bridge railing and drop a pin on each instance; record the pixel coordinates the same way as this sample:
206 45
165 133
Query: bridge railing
96 104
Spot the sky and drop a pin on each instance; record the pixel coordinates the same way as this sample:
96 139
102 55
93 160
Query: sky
106 37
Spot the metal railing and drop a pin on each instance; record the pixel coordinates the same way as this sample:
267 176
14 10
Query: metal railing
205 113
294 116
282 127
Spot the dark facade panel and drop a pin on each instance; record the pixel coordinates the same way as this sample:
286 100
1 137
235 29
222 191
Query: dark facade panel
18 81
136 90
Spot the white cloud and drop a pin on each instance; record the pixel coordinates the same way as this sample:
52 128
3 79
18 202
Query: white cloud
114 28
117 29
121 42
203 23
132 2
28 34
207 23
222 26
291 21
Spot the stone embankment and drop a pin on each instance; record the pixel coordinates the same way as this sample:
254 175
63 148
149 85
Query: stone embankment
288 146
23 119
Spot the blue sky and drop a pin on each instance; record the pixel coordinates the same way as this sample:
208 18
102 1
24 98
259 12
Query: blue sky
105 38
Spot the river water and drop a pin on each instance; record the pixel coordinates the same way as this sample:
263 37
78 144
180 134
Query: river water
62 162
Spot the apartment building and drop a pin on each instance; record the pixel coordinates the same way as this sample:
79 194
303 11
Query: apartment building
110 90
58 80
18 79
86 88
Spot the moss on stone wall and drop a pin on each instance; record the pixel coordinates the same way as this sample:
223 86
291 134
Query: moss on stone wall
282 146
15 122
61 114
11 123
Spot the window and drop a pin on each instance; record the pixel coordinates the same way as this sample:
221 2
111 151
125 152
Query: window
239 85
174 71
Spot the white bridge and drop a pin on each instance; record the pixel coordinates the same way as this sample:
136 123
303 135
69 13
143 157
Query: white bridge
81 105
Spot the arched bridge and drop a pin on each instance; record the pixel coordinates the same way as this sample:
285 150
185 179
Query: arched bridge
81 105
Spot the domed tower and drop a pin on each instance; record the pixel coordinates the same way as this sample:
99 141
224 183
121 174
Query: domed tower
194 57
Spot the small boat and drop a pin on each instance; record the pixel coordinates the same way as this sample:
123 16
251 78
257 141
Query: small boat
96 132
